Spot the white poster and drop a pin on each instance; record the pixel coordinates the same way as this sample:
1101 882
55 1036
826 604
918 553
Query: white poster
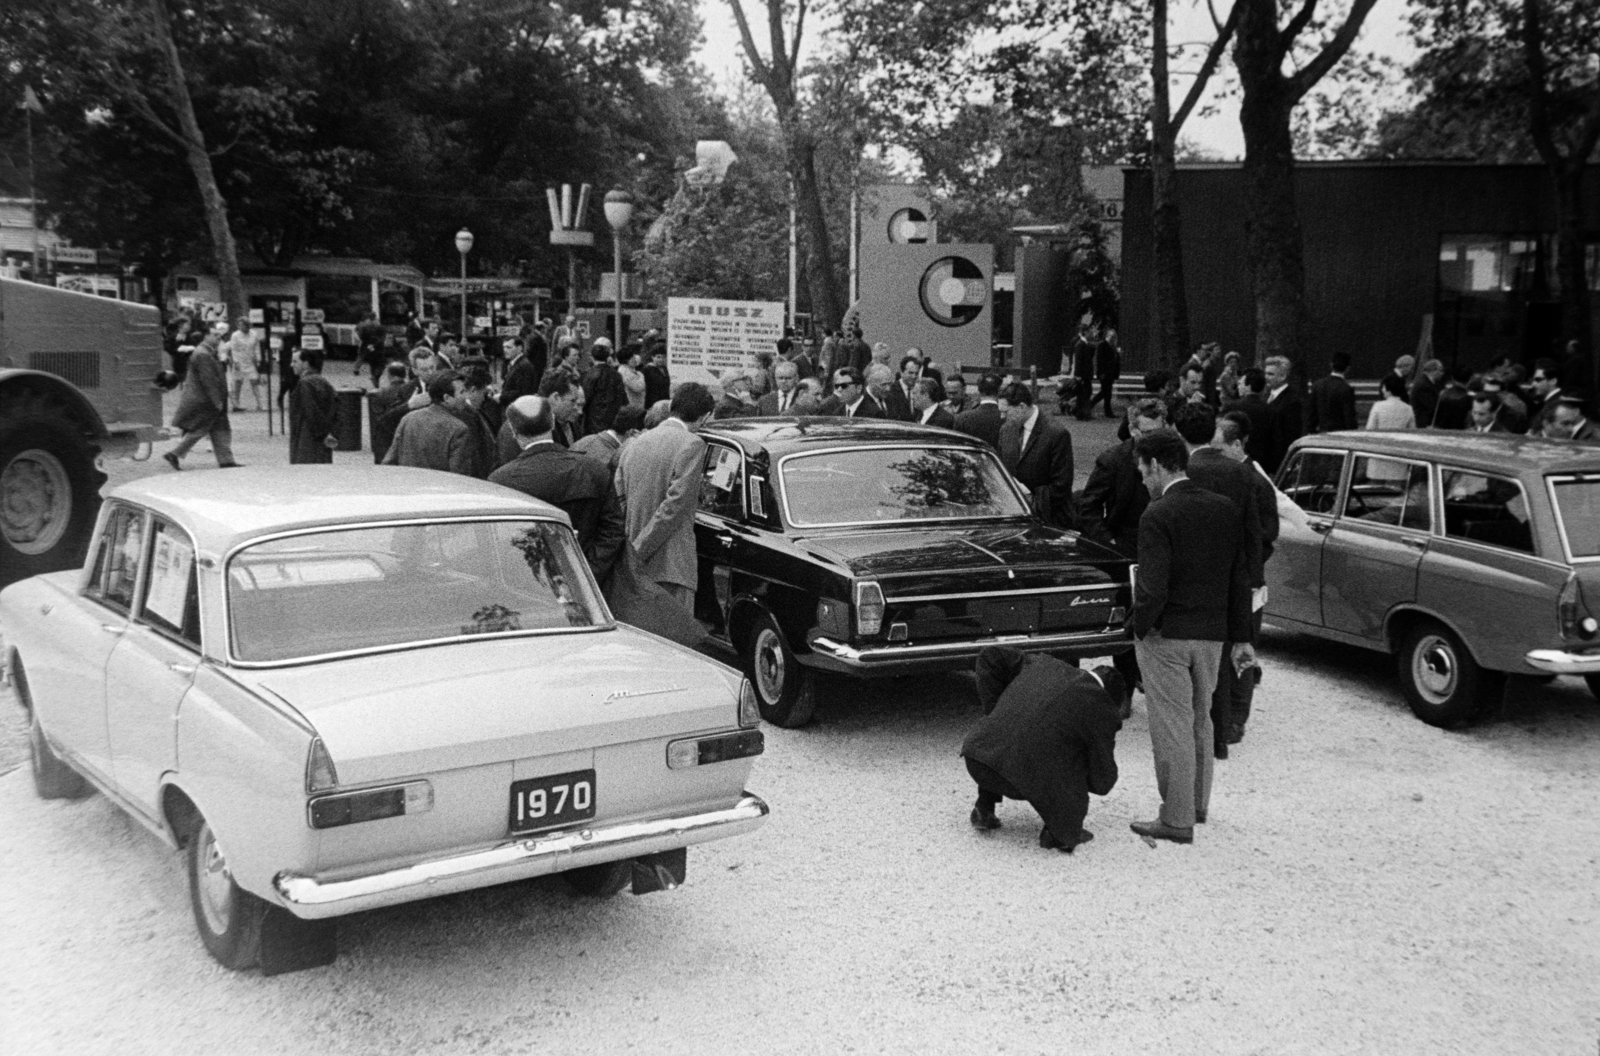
170 563
706 338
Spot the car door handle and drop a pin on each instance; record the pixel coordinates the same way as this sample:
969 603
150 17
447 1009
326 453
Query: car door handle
724 538
183 669
1414 542
113 628
1320 527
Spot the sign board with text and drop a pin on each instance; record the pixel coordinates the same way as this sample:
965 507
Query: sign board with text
312 342
312 315
706 338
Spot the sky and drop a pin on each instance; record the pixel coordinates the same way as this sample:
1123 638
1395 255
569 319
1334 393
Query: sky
1384 32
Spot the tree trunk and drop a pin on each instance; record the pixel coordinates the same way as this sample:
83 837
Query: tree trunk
1576 320
224 252
1169 303
827 308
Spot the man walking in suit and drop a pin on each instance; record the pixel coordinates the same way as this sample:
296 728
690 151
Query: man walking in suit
1038 451
1288 415
1235 688
313 410
1048 735
983 421
1333 401
1192 595
658 479
925 406
781 399
203 407
576 484
1107 368
850 398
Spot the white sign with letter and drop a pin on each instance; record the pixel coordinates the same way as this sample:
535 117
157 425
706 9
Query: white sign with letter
708 338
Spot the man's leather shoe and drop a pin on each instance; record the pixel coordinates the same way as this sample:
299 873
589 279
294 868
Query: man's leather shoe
171 459
1159 830
1235 733
984 819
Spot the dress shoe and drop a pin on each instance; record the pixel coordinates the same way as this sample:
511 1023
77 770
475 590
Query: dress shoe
1160 830
1235 733
230 465
983 819
171 459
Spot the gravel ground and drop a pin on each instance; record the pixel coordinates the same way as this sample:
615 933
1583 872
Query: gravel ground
1365 884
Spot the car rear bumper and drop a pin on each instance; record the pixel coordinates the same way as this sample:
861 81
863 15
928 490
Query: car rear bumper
1564 662
830 655
315 899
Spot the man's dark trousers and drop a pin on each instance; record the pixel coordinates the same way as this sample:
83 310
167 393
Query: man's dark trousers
1230 703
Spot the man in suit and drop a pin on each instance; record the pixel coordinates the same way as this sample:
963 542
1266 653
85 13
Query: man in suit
1236 689
1568 422
1107 368
386 406
603 391
1544 394
313 411
606 448
898 399
658 480
955 394
1192 595
1113 501
574 483
983 421
850 398
1048 735
736 400
1214 471
1037 449
566 402
657 380
1404 367
1287 420
1425 393
1487 415
522 376
203 408
482 417
926 408
432 436
857 353
781 400
1333 401
1455 402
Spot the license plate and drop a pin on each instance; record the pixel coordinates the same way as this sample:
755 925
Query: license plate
553 801
1011 616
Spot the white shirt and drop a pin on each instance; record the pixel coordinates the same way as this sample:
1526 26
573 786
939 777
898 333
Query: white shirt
927 414
1274 393
850 408
786 398
1027 427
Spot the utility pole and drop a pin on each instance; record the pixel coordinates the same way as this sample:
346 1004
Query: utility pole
30 106
794 256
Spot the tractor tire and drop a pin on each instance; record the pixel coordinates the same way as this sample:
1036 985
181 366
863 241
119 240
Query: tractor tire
49 487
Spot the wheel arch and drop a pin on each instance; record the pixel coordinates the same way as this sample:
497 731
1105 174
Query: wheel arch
17 382
179 813
1403 618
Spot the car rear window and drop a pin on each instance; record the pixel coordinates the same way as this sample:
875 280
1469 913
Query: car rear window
859 486
1577 500
361 588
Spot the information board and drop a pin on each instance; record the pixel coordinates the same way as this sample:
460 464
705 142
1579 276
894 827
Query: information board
311 342
706 338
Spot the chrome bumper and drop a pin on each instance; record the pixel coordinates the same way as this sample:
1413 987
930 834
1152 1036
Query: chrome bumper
1562 662
314 899
888 659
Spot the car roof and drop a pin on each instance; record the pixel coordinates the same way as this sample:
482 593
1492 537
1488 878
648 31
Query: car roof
223 507
1503 452
785 435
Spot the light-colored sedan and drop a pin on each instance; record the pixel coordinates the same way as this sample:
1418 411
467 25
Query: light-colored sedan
343 687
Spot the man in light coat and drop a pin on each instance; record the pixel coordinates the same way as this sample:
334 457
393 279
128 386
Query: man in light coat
658 479
203 407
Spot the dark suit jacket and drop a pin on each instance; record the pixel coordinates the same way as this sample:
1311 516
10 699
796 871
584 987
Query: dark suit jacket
580 487
983 422
386 408
768 404
1192 581
1454 409
1424 401
940 418
1254 407
732 407
522 379
1221 475
1286 424
870 408
657 386
313 412
604 395
898 404
484 456
1044 467
1051 733
1333 406
1113 501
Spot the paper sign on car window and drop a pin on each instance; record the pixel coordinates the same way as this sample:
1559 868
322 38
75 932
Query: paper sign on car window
722 473
169 578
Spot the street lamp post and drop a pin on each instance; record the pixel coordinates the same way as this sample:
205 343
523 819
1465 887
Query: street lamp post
463 246
619 210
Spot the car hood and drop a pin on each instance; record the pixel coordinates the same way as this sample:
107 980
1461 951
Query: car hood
944 550
463 704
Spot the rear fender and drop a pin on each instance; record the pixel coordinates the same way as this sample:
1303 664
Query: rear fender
79 408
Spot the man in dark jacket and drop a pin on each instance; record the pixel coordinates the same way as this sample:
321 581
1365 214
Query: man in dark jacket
313 412
1455 402
1048 736
926 408
1287 418
431 436
1425 393
1192 595
522 375
386 406
983 421
203 407
657 380
850 398
1037 449
1235 692
603 391
481 416
573 482
1107 368
1333 401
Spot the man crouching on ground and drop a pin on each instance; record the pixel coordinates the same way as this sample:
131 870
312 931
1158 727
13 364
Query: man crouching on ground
1048 736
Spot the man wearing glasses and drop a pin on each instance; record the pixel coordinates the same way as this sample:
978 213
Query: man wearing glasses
850 398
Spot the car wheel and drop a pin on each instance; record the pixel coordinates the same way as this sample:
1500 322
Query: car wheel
786 692
52 778
49 488
599 881
227 917
1443 684
1594 684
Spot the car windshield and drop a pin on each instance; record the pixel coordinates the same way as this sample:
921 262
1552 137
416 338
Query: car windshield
1578 500
375 587
855 486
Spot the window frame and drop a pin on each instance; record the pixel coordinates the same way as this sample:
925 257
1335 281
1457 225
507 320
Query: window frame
1011 482
1346 470
1435 493
1489 474
94 587
1550 482
142 617
744 481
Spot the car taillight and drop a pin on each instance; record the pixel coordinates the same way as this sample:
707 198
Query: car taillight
320 774
700 751
351 808
869 608
749 708
1571 613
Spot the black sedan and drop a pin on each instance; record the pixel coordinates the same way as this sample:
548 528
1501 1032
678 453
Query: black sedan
871 548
